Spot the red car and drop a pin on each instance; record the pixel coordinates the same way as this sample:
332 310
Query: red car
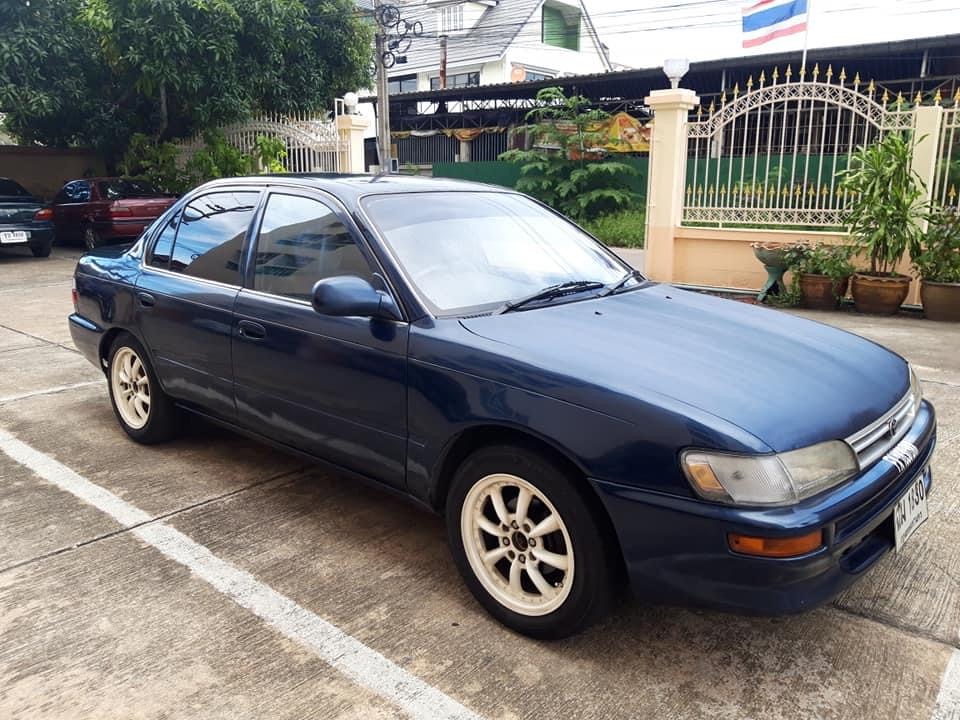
101 210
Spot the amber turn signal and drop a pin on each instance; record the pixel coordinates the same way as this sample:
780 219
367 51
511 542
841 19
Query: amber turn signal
775 547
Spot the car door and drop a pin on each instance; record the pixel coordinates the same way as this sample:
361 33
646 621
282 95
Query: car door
69 208
185 297
332 386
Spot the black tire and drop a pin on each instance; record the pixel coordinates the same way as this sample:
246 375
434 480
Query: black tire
91 238
593 587
163 417
42 250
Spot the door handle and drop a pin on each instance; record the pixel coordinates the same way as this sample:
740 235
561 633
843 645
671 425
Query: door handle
146 299
251 330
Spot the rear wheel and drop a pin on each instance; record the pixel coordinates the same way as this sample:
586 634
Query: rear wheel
527 544
42 250
146 413
91 238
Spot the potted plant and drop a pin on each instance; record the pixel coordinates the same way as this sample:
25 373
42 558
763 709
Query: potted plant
822 274
885 215
939 265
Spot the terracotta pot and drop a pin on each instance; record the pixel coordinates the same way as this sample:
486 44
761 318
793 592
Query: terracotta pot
879 294
819 292
941 301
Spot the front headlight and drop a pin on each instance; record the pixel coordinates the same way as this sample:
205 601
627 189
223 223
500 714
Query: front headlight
781 479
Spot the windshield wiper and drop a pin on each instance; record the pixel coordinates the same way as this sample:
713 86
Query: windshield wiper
619 285
552 292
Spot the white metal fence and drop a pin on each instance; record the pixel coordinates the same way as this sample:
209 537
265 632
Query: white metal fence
772 154
946 189
312 140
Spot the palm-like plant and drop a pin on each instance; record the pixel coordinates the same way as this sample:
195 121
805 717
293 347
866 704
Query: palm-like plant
887 210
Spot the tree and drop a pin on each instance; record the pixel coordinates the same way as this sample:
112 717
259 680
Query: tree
567 167
96 72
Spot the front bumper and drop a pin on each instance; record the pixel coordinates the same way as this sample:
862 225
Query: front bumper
675 549
37 234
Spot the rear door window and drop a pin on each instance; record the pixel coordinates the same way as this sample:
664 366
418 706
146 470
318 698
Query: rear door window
210 237
301 241
160 254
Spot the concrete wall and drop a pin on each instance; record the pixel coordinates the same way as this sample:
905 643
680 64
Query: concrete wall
43 171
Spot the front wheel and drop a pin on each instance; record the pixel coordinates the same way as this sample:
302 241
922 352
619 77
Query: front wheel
145 411
527 543
91 238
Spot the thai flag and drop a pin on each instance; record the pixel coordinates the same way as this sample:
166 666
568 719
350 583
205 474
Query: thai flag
766 20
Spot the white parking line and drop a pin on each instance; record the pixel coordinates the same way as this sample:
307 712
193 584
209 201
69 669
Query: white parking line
364 666
48 391
948 699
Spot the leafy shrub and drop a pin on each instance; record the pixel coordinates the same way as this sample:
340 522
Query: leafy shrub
939 260
834 261
621 229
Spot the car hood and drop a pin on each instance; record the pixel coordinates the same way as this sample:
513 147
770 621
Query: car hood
787 381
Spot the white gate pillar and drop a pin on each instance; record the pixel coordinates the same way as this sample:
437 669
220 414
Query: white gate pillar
668 169
927 120
352 129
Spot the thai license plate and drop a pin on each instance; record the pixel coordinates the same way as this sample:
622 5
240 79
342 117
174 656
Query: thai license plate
14 236
910 512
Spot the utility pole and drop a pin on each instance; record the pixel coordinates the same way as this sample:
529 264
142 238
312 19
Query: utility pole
443 62
383 101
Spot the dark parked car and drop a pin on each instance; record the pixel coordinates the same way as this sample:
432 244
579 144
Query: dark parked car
98 211
471 348
23 219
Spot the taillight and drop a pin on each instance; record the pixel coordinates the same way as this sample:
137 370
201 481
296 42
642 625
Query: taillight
114 211
44 214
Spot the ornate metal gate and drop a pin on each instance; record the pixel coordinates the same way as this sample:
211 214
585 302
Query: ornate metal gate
771 155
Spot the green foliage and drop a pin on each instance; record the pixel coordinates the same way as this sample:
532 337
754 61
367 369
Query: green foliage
566 167
834 261
626 228
887 208
939 259
159 162
97 72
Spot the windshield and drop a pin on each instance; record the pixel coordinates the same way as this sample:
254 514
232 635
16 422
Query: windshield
120 189
476 251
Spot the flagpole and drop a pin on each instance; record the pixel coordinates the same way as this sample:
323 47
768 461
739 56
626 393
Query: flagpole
806 35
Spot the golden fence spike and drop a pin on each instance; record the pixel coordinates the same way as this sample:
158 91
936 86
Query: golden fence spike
816 71
856 81
763 77
953 193
842 77
829 72
789 73
749 83
710 192
803 72
918 100
899 99
872 87
885 98
736 90
937 97
776 75
723 98
713 107
689 192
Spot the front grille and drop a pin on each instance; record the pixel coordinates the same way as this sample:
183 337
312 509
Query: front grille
875 440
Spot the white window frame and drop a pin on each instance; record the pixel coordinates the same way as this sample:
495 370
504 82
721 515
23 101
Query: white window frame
450 19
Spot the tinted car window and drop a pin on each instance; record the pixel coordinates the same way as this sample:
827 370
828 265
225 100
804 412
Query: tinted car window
302 241
160 255
210 236
120 188
11 189
76 191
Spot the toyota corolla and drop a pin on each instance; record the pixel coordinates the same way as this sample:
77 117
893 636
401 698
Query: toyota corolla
576 424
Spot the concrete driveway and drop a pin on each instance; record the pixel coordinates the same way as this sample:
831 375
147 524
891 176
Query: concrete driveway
215 577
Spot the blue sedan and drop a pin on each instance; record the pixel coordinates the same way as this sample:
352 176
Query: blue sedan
470 348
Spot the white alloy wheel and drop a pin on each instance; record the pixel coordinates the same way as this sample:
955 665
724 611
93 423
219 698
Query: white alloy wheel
517 544
131 387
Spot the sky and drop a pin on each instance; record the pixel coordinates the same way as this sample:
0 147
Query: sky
643 33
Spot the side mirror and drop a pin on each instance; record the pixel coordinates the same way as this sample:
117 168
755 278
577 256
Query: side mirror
349 296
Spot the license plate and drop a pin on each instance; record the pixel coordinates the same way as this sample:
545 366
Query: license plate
14 236
910 512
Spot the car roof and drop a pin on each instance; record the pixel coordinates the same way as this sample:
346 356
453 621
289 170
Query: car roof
353 187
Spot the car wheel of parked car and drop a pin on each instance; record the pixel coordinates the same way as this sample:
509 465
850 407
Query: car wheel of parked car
91 238
145 412
527 544
42 250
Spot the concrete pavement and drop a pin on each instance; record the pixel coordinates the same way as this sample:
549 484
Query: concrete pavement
97 622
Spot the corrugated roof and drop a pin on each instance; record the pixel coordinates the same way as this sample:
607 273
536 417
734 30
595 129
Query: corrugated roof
489 38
